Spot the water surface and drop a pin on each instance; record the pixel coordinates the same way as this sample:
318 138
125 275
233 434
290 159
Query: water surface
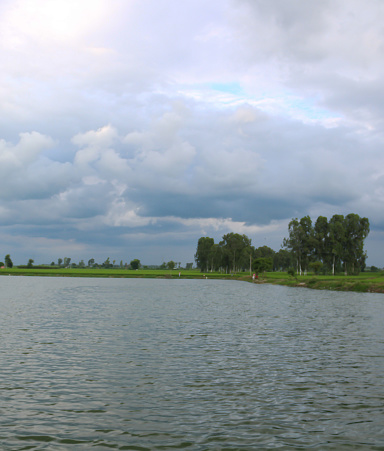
195 364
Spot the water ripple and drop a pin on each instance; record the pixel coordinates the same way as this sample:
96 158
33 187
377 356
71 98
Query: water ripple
158 364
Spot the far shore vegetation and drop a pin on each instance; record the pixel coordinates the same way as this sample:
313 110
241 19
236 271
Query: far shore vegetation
367 281
324 255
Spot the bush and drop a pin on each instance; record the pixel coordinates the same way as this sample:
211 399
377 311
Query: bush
291 272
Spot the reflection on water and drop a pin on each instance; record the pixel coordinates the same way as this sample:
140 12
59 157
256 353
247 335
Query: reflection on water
200 364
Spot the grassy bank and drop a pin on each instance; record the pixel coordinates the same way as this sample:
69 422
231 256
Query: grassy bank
365 282
117 273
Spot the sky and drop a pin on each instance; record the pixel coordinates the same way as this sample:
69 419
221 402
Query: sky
131 128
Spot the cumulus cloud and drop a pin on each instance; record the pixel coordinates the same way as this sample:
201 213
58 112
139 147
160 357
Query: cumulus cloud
127 123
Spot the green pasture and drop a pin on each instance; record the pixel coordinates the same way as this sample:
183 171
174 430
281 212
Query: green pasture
364 282
104 272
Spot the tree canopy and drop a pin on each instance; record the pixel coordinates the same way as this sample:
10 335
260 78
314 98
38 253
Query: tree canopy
338 243
329 246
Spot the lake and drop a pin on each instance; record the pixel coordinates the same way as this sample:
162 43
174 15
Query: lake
147 364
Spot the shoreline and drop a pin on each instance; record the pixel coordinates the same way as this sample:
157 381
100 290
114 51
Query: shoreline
364 283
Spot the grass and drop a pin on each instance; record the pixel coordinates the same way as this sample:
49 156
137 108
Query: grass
103 272
364 282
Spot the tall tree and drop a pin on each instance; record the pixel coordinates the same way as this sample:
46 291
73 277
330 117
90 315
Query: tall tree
356 230
307 241
294 244
321 240
203 252
336 240
337 243
247 255
215 257
235 244
8 261
282 260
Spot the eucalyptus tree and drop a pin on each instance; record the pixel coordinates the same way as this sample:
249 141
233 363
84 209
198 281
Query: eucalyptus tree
203 252
307 242
321 241
294 242
356 230
336 241
215 257
248 254
282 260
235 244
8 261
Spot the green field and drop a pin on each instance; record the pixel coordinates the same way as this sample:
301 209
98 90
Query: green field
103 272
365 282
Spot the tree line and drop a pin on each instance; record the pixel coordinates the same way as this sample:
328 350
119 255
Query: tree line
327 246
335 245
235 253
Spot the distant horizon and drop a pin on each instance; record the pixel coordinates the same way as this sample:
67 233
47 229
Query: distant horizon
129 129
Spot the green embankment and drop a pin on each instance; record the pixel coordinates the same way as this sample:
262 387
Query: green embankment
365 282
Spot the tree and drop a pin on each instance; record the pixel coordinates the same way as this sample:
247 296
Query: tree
356 230
81 264
321 240
67 262
293 243
171 265
336 240
335 244
203 252
264 252
135 264
188 266
316 266
30 263
248 253
107 263
234 244
262 264
8 261
59 261
283 260
215 257
307 241
91 262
